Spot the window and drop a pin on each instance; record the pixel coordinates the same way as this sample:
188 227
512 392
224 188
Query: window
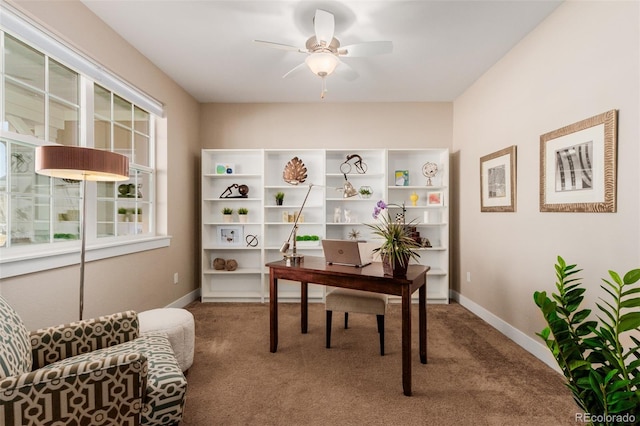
46 100
120 126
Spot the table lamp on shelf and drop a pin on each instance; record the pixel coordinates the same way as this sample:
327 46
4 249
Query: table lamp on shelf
294 258
81 164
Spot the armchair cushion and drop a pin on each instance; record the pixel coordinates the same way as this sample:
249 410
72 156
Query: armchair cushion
15 350
52 344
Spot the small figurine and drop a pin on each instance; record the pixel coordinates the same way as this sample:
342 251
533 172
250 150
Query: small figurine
337 215
347 216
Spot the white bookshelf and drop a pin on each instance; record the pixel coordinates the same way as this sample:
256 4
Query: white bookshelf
327 214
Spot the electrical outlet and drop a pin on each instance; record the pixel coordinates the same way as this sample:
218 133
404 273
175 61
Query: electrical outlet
468 277
175 278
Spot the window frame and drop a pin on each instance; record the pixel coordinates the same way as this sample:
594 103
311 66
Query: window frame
30 258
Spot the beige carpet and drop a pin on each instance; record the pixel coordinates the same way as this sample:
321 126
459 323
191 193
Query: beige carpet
475 375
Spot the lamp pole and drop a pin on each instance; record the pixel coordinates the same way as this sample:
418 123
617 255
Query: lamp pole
294 258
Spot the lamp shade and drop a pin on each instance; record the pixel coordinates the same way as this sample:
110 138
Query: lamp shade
322 63
80 163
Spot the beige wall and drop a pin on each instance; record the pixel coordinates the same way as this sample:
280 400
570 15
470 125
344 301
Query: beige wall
326 125
139 281
581 61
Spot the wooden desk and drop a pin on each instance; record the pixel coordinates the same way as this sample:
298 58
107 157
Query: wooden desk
370 278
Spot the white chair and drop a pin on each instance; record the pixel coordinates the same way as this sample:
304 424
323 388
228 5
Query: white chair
356 301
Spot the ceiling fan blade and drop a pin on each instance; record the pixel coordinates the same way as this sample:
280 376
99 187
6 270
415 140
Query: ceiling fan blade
343 70
280 46
369 48
324 26
295 70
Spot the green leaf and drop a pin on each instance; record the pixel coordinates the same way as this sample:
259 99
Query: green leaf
629 321
632 276
630 303
614 275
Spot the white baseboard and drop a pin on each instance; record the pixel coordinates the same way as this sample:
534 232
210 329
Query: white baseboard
185 300
534 347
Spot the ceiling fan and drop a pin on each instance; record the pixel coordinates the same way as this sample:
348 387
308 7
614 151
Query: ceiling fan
324 51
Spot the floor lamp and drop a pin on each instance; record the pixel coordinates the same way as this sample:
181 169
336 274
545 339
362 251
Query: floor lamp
81 164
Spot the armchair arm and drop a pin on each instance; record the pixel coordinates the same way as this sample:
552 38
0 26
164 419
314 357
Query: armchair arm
52 344
87 392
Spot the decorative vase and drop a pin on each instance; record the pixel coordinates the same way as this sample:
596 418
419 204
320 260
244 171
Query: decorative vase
396 269
414 199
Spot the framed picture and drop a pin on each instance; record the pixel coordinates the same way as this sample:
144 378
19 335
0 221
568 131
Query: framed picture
578 166
230 235
402 178
435 198
498 181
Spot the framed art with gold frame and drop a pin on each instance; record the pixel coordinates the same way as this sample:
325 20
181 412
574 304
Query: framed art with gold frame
578 166
498 181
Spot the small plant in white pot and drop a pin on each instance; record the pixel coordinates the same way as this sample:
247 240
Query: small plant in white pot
122 214
242 214
226 214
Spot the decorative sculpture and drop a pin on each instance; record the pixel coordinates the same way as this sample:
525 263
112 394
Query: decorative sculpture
294 172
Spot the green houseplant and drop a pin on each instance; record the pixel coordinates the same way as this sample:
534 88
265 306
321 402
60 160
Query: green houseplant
603 376
242 214
226 214
397 247
279 198
122 214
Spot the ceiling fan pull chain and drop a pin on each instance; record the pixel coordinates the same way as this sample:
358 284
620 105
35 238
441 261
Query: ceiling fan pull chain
324 88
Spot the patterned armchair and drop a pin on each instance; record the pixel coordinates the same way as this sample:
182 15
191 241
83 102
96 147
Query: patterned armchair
91 372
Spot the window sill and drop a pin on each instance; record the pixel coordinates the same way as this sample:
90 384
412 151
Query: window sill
19 262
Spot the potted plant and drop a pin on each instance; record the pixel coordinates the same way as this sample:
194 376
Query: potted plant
365 192
602 372
226 214
242 214
397 247
279 198
130 214
307 240
139 211
122 214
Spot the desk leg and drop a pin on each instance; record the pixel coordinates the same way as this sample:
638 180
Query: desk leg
304 303
273 312
406 340
422 310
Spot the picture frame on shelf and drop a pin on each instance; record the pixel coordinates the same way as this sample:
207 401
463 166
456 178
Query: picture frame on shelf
498 181
230 235
435 198
402 178
578 166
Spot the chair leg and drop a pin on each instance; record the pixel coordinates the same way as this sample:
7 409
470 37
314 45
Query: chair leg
380 319
328 332
346 320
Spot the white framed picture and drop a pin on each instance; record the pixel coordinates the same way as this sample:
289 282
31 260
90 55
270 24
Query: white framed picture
230 235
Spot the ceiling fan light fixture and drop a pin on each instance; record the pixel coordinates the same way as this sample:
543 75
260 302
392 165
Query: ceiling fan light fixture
322 64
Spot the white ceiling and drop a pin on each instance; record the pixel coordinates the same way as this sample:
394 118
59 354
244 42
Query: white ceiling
206 46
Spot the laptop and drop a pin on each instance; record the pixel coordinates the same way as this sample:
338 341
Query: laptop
347 252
